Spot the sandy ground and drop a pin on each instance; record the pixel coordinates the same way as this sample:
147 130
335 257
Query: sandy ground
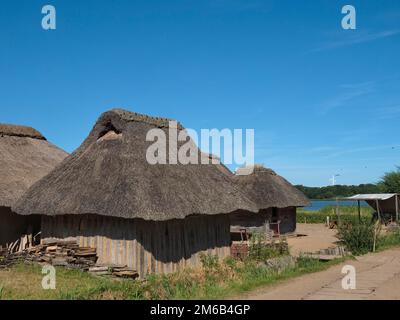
317 237
377 275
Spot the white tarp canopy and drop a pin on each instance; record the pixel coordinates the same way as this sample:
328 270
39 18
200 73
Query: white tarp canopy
376 196
382 202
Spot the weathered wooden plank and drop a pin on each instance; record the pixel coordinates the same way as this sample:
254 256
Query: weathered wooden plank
143 245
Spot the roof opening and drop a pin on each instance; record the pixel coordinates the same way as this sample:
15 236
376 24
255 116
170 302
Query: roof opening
109 133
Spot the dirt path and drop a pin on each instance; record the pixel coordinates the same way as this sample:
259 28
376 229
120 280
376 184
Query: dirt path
317 237
377 277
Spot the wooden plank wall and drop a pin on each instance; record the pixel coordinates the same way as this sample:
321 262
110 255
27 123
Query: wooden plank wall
246 219
146 246
287 216
242 218
13 226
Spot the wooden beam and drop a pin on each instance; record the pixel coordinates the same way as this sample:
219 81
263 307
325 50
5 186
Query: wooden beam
397 207
359 210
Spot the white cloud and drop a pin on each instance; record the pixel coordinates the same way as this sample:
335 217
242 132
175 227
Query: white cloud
349 93
356 38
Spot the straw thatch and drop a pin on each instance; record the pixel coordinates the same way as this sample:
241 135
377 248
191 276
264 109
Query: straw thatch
267 189
220 166
110 176
25 157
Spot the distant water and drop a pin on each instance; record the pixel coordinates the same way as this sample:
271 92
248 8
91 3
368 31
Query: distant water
316 205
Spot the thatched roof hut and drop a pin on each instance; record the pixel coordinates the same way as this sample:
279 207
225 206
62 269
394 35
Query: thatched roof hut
275 197
25 157
108 180
268 189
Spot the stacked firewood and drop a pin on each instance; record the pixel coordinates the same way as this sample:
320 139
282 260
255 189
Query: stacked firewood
8 259
67 254
63 253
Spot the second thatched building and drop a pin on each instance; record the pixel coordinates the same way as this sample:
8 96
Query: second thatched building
276 198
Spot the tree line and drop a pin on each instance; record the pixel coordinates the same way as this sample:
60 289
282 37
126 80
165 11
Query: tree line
389 183
340 191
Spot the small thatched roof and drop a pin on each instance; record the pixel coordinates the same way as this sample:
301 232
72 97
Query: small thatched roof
109 175
267 189
25 157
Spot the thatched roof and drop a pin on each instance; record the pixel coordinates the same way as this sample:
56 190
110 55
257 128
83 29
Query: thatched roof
220 166
109 175
25 157
267 189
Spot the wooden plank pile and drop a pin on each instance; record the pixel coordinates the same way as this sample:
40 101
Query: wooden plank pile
8 259
67 254
63 253
120 271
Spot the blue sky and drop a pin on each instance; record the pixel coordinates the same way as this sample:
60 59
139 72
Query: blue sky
322 100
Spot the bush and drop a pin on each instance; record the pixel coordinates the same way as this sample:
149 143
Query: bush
209 261
259 250
357 237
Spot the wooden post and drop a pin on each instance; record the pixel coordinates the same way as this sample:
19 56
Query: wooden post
397 207
377 209
359 210
337 210
375 234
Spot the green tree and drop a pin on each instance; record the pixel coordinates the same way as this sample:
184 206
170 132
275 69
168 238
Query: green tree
390 182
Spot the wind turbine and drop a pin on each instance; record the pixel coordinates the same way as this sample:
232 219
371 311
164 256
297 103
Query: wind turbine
333 179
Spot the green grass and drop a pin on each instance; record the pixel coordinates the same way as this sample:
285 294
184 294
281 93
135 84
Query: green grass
215 280
229 278
218 280
347 214
23 281
388 241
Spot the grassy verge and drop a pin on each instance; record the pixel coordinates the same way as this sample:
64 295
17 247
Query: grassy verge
229 278
214 281
388 241
24 281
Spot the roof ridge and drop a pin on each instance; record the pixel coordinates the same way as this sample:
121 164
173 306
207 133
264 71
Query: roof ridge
255 168
129 116
13 130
